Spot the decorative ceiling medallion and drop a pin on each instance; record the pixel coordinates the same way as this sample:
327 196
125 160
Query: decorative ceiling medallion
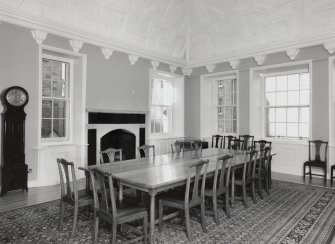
39 36
76 45
107 52
234 63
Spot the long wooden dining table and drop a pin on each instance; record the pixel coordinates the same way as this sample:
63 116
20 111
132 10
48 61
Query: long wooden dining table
163 172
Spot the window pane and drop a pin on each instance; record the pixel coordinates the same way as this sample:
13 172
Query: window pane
304 97
293 98
228 126
46 88
220 113
58 88
165 124
234 126
229 99
281 98
152 126
282 83
58 128
270 99
270 84
304 129
46 108
271 115
46 128
221 101
281 115
234 113
292 130
304 81
293 82
220 129
281 129
228 84
304 115
162 92
228 112
46 69
292 115
59 109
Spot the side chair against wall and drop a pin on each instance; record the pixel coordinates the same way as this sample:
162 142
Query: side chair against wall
227 141
177 147
70 195
263 170
246 142
317 157
197 171
246 177
110 155
196 145
258 145
107 209
145 150
217 141
220 185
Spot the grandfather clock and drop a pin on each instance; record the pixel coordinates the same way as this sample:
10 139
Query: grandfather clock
14 171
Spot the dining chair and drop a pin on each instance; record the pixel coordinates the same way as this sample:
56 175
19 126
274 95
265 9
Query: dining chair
196 145
220 185
227 141
107 209
182 199
110 155
217 141
263 170
70 195
246 177
317 158
145 150
177 147
332 168
235 144
261 144
246 142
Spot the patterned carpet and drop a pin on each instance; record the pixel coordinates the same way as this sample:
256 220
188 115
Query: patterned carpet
293 213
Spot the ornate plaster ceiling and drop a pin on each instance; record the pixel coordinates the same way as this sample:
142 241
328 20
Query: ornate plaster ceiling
192 32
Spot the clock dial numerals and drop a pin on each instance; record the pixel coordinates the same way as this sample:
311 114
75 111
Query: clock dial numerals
16 97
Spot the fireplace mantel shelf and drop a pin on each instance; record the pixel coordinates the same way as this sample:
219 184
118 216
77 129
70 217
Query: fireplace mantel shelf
93 110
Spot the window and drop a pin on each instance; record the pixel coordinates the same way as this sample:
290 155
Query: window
226 106
166 105
56 98
287 101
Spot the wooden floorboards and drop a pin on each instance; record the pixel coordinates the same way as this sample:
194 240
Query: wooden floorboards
18 199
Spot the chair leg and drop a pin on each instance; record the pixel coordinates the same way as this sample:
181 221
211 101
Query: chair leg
188 223
331 176
260 186
215 209
145 229
96 230
61 217
325 169
227 204
253 191
267 183
75 219
160 215
304 172
310 172
203 219
244 190
114 230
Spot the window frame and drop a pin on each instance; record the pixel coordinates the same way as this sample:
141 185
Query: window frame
69 120
174 78
257 112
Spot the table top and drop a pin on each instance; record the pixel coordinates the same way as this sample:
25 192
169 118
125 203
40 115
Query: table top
166 169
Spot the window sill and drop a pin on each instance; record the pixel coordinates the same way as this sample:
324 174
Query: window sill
287 141
55 145
164 137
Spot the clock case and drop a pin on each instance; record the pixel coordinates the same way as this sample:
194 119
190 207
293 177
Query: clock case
13 170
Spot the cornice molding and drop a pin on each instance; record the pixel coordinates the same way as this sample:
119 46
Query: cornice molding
186 71
154 64
76 45
234 63
39 36
173 68
330 47
133 59
210 67
107 52
260 59
292 53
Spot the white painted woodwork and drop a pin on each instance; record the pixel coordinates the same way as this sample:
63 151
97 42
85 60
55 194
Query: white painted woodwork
210 67
39 36
260 59
172 68
107 52
292 53
330 47
234 63
154 64
187 71
76 45
132 59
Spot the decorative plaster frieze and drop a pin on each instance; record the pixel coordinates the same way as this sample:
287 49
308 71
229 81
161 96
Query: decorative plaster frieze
330 47
154 64
234 63
76 45
292 53
39 36
260 59
210 67
187 71
133 59
107 52
173 68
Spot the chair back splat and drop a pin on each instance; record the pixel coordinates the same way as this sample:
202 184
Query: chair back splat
66 168
227 141
217 141
318 150
110 155
247 142
145 150
258 145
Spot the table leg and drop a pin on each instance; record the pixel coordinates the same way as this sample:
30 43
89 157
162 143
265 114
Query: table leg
152 218
120 193
232 187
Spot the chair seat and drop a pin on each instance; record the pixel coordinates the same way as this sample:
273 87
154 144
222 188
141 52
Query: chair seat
177 199
315 163
84 198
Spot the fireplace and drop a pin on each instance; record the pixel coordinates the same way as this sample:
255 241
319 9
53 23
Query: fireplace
115 130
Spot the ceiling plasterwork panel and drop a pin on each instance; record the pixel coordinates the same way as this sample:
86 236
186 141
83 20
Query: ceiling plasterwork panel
154 25
220 28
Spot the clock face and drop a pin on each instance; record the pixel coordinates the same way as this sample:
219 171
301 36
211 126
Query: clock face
16 97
